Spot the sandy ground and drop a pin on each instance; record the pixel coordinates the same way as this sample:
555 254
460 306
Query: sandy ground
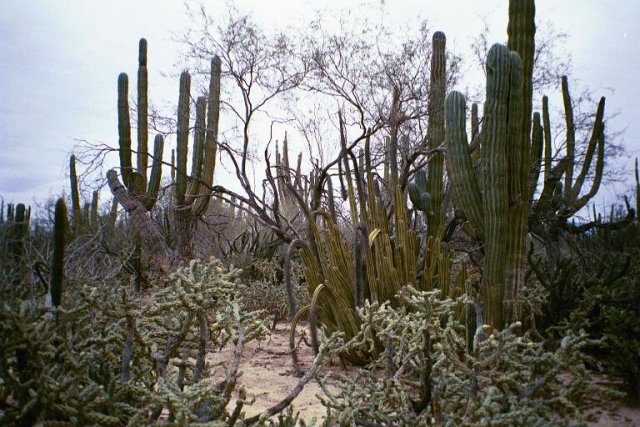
268 376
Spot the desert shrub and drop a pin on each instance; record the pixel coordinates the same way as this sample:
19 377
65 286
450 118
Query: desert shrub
426 372
608 305
110 357
263 288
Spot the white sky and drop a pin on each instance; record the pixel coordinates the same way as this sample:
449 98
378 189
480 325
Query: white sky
59 62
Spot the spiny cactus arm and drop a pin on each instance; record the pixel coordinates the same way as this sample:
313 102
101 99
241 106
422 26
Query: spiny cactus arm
143 110
182 137
285 159
156 173
597 139
637 192
124 129
496 179
141 220
466 189
360 247
435 134
199 137
571 135
535 155
552 174
57 262
193 183
75 194
521 31
211 139
517 146
297 183
515 226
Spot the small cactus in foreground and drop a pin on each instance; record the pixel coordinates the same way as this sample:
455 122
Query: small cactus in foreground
57 262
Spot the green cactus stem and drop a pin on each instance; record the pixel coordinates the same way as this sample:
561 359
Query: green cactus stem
637 192
496 213
57 261
182 137
135 180
75 195
419 194
143 110
435 135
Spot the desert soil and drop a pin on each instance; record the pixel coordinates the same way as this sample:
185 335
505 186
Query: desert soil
268 376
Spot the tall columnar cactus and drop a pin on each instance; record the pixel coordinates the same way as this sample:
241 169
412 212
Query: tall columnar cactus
57 261
193 192
75 195
136 180
18 223
494 205
435 135
637 193
496 199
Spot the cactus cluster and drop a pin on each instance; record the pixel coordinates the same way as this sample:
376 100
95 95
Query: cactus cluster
136 180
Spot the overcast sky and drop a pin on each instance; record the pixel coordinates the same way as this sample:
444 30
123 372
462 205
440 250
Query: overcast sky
59 62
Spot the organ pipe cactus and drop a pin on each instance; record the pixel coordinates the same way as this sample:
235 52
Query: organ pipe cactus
75 195
435 136
637 192
57 261
136 180
193 191
493 205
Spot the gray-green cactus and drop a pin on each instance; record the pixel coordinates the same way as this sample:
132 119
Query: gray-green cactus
57 261
75 195
637 193
419 193
193 192
493 205
435 136
136 180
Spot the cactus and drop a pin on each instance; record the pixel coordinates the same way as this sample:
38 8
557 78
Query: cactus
75 195
18 224
193 191
435 136
637 192
495 213
136 180
498 199
419 193
57 261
